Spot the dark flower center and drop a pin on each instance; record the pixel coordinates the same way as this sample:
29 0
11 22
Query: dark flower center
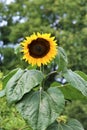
39 48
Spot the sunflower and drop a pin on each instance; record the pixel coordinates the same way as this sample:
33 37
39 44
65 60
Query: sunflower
39 49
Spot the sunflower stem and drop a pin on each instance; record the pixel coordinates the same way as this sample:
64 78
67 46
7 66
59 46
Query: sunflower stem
40 92
42 68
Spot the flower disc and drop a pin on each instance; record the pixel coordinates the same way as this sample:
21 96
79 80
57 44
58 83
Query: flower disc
39 49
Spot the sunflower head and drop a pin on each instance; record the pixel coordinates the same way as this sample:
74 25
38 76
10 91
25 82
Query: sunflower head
39 49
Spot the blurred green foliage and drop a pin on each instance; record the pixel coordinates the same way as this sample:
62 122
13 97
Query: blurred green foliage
78 110
10 118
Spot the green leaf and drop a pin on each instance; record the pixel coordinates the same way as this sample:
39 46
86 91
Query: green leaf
72 93
2 93
41 108
72 124
82 74
22 82
8 76
61 59
76 81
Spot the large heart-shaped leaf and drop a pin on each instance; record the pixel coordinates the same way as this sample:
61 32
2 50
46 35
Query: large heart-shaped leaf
22 82
76 81
72 124
71 93
41 108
